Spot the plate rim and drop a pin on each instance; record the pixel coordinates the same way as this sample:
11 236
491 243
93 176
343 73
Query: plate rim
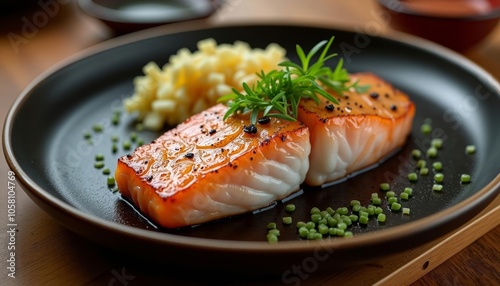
481 197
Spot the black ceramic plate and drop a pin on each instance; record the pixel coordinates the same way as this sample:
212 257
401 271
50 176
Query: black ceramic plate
44 144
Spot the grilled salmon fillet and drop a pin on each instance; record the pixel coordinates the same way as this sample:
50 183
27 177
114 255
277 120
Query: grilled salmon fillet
359 131
207 168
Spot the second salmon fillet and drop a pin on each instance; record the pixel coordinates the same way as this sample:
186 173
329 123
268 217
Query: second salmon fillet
358 131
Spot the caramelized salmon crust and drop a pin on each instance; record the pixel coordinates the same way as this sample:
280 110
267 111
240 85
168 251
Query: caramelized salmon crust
358 132
207 168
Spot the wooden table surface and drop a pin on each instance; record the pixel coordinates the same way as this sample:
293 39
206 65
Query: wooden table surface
48 254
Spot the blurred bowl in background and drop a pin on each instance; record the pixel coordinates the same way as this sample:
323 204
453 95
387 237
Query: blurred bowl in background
125 16
456 24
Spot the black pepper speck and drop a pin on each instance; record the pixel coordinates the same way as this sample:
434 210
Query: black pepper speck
251 129
264 120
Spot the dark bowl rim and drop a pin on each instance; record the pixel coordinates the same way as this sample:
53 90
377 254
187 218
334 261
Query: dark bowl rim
491 15
111 15
483 197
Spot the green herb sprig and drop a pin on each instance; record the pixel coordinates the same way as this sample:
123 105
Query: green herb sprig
277 93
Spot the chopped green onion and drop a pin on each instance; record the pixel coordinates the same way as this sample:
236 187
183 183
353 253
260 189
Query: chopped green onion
300 224
339 232
432 152
310 225
133 137
317 236
426 128
274 231
322 221
347 220
412 177
390 194
303 232
437 142
272 238
332 231
374 195
323 229
370 210
465 178
99 157
127 145
332 222
315 210
381 217
271 225
111 181
363 219
356 208
343 210
290 208
377 201
355 202
421 164
438 177
406 211
315 217
87 135
325 214
348 234
378 210
437 187
470 149
363 214
287 220
114 148
395 206
392 200
99 164
415 153
385 186
424 171
106 171
330 210
438 166
342 225
115 120
404 196
353 218
97 127
408 190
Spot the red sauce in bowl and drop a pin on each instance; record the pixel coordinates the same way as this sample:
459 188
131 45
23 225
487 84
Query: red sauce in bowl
451 8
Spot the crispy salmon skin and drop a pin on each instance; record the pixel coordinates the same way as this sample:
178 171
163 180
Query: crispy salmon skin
207 168
358 131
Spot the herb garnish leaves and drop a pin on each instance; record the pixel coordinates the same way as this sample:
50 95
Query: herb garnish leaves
277 93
